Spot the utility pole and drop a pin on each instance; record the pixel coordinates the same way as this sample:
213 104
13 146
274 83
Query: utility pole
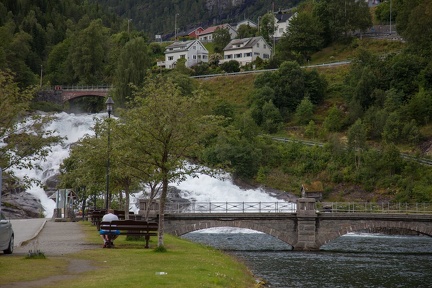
128 24
390 17
41 76
175 27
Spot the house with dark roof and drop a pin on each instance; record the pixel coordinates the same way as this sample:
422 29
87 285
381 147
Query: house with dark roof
191 33
193 51
246 50
282 21
207 34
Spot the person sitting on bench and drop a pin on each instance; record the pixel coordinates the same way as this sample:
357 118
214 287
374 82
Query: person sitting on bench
108 236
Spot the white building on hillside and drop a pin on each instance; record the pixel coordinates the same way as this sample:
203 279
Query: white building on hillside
246 50
193 51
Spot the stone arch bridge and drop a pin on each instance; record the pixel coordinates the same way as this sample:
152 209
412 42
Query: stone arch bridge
305 228
72 92
61 94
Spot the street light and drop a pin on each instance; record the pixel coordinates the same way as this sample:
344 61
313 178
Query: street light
109 104
175 26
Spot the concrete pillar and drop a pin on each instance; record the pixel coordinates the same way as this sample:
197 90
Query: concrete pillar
306 224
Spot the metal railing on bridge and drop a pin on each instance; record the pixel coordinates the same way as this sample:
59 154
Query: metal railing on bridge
291 207
231 207
84 87
368 207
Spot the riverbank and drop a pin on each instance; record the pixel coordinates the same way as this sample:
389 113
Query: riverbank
186 264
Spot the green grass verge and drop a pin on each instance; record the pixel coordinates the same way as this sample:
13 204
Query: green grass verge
187 264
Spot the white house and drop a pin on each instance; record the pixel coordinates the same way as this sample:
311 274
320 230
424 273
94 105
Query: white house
282 21
193 51
247 50
207 34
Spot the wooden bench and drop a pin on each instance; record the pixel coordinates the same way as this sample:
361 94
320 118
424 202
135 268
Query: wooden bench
96 217
130 227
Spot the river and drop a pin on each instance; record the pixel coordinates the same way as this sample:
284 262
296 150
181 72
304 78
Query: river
353 260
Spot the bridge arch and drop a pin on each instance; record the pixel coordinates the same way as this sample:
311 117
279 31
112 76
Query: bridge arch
366 225
179 230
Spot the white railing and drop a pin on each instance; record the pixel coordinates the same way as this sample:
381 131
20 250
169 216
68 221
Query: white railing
291 207
231 207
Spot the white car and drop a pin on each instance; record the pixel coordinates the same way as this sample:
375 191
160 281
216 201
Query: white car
6 235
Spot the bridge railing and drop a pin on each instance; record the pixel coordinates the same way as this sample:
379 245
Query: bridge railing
231 207
84 87
367 207
290 207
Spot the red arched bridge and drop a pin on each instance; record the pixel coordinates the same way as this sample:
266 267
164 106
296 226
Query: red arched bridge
72 92
305 225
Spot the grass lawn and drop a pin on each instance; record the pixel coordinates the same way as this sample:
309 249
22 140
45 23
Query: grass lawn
130 265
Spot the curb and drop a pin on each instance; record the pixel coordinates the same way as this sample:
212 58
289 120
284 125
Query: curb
23 243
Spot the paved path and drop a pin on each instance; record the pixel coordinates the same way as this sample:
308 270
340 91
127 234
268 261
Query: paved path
51 238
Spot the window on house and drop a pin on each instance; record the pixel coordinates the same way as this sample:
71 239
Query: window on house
257 53
258 45
170 58
265 46
266 56
239 55
183 56
204 56
194 57
247 54
194 47
228 56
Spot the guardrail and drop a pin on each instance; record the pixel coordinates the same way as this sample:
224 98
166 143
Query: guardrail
334 63
291 207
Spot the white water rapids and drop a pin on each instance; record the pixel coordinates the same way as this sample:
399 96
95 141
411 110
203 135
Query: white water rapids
75 126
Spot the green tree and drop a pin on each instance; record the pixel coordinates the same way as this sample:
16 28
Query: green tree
304 36
221 38
415 33
342 17
88 54
164 128
271 118
230 66
304 111
334 120
246 31
133 64
267 26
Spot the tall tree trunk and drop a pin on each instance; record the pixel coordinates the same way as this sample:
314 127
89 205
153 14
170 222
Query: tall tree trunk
162 210
127 200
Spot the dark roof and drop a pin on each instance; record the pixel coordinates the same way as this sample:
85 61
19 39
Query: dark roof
284 15
181 46
244 42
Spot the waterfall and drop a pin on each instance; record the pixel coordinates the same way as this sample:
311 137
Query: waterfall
74 126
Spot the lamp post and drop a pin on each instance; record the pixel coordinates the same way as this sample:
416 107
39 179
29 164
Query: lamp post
109 104
175 26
